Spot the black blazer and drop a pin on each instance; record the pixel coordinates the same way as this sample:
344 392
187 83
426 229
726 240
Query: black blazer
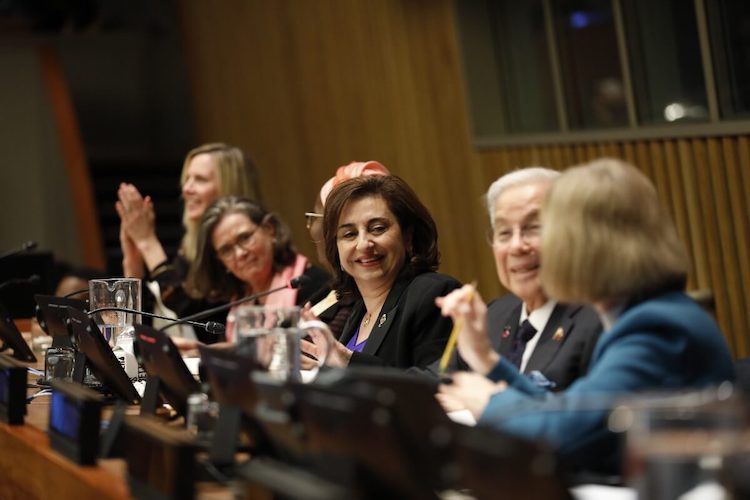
409 331
564 350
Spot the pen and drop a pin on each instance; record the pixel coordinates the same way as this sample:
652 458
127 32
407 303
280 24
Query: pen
457 325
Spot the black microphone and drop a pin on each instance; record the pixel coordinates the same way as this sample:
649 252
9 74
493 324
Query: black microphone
26 247
211 326
293 283
34 279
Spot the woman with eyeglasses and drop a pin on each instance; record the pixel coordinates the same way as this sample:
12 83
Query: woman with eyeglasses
243 249
325 304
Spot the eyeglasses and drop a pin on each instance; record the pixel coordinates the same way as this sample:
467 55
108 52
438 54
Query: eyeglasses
310 217
243 240
504 235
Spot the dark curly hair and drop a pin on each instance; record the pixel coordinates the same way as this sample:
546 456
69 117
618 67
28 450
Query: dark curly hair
415 220
208 277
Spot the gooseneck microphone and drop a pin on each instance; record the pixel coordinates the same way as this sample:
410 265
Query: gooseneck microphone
77 292
210 326
26 247
293 283
34 279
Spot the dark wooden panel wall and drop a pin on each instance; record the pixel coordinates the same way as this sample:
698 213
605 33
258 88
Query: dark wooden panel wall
305 86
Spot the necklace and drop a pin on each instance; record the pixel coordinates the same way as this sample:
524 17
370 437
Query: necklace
366 320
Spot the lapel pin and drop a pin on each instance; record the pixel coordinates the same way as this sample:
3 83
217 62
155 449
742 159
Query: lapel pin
382 320
558 335
506 332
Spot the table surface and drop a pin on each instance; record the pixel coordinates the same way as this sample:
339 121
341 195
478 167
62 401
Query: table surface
29 468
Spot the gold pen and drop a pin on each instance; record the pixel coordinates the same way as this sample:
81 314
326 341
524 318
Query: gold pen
457 325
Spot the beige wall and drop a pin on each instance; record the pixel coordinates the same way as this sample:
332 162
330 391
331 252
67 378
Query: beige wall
35 202
306 86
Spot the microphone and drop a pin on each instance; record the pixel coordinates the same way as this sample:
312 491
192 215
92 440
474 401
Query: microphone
210 326
293 283
34 279
26 247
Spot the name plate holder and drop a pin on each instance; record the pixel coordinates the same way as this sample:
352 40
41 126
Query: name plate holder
161 459
12 390
74 421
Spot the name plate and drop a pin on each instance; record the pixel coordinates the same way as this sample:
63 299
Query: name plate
161 459
74 420
12 390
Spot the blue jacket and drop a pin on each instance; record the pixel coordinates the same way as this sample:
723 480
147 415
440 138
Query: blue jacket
665 342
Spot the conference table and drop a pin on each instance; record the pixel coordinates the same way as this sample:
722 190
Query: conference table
30 468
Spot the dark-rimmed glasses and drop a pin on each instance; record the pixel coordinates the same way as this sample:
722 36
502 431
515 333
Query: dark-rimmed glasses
310 217
244 240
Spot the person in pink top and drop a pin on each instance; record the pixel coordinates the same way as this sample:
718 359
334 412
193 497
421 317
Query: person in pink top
244 249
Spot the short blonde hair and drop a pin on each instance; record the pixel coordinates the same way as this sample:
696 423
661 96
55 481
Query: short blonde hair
606 236
236 176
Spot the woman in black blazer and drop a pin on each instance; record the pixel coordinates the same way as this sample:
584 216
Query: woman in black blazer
382 244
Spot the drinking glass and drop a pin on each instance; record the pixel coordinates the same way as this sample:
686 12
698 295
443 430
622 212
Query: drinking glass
685 443
273 336
202 414
119 293
59 363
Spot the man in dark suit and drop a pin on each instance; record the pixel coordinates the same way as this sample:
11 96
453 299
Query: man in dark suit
549 341
563 350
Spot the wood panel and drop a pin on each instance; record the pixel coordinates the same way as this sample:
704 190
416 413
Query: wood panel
307 86
709 232
737 156
30 469
76 166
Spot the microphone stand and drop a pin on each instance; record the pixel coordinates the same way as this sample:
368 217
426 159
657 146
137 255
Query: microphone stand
210 326
26 247
293 283
77 292
34 279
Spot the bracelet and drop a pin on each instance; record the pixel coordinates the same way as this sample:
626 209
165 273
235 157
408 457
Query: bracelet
163 266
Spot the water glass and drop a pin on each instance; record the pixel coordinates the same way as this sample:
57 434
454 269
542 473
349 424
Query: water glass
685 444
122 293
59 363
202 414
273 336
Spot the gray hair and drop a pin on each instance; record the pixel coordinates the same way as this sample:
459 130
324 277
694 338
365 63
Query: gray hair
519 177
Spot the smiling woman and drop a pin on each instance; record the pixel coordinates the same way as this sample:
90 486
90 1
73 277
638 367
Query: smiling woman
381 242
243 249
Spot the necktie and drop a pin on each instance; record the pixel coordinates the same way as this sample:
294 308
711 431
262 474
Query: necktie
524 333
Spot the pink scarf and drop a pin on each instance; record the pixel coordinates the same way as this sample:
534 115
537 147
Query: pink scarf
286 297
